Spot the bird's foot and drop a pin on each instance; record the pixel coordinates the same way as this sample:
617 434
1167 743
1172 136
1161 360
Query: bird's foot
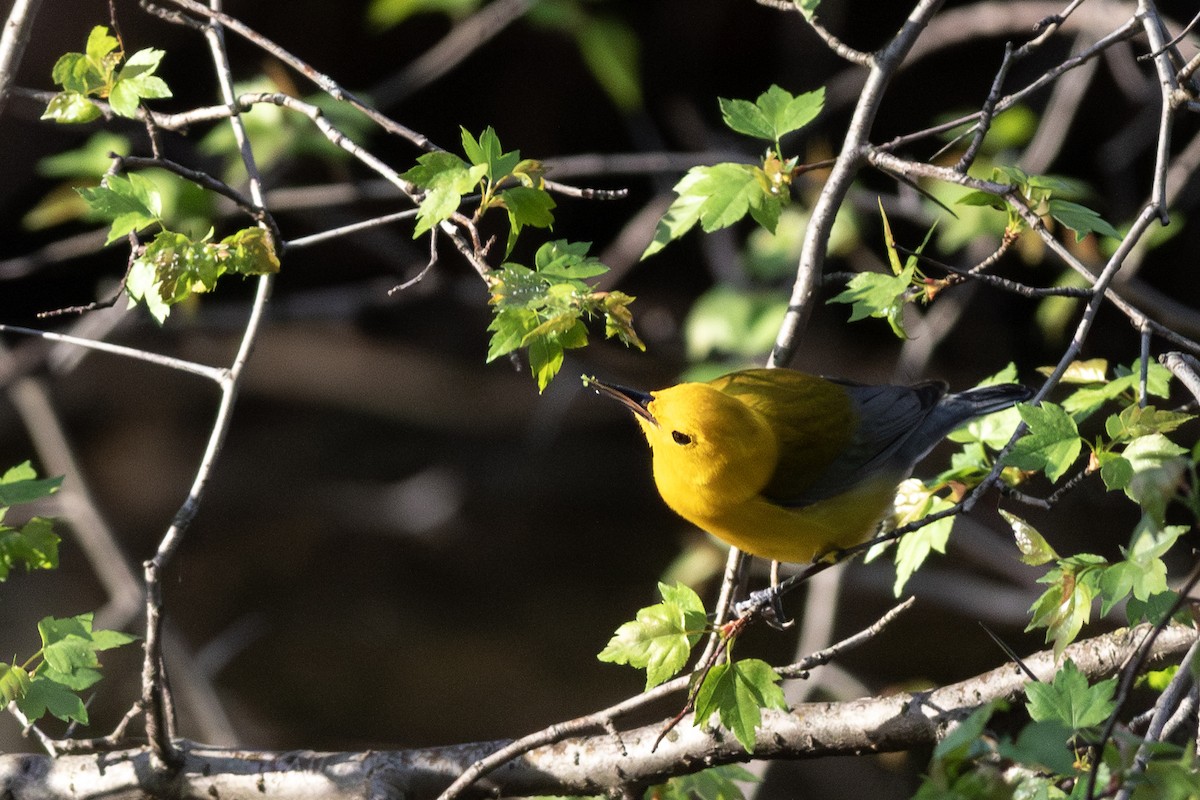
768 603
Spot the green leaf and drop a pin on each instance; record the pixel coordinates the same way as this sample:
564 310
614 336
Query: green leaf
1137 421
683 213
874 294
774 114
1081 219
131 202
610 49
1066 606
14 683
1035 550
20 484
71 108
717 197
99 44
34 546
714 783
737 692
733 321
1052 444
1069 700
730 191
1153 609
69 650
445 178
47 696
1042 746
807 7
914 502
136 81
963 740
173 266
487 151
661 636
526 206
1158 465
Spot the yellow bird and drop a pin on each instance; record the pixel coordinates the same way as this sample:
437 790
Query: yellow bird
788 466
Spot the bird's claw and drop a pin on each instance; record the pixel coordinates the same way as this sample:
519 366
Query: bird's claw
769 604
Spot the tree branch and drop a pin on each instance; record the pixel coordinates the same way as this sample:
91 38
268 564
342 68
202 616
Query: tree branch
585 765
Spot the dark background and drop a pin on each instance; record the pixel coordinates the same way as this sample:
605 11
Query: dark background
402 546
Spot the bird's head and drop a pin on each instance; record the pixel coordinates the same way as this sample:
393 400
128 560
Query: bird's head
703 439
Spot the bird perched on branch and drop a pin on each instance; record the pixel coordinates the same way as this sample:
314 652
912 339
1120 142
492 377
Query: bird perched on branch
788 466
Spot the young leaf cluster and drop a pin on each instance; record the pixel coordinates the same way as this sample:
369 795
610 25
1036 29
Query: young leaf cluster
1038 194
173 266
883 296
542 308
102 71
502 180
1049 757
50 681
33 545
1133 455
717 196
660 639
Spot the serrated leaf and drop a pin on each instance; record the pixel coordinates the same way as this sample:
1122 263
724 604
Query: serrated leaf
445 178
1035 550
737 692
1137 421
874 294
683 213
774 114
1069 700
46 696
1052 444
131 202
1066 605
100 44
1081 219
661 636
1115 470
730 190
486 150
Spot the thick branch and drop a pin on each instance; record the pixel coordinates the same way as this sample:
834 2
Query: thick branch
589 765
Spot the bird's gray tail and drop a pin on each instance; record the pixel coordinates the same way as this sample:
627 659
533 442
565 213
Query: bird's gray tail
955 409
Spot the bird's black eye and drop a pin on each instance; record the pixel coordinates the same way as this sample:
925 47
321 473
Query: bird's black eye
681 438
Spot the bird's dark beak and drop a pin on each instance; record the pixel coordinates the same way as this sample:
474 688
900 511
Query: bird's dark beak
633 399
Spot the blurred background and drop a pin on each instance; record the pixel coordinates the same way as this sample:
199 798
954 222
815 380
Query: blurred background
404 546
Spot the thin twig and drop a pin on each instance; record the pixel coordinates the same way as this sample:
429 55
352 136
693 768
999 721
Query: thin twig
851 157
323 81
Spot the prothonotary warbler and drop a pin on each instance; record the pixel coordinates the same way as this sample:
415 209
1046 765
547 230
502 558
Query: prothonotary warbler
788 466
